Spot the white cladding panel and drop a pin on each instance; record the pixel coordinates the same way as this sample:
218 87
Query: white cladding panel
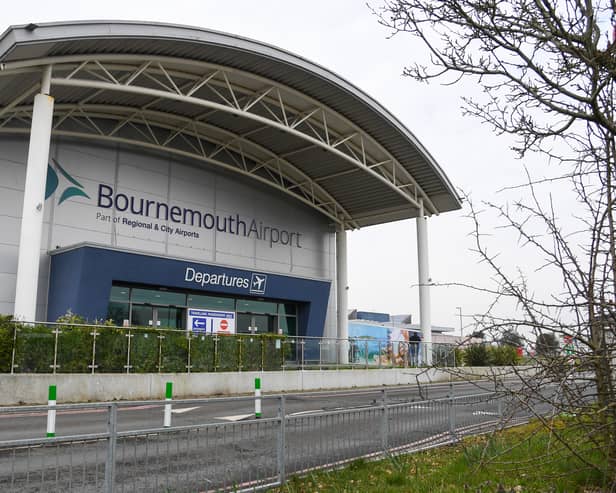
162 182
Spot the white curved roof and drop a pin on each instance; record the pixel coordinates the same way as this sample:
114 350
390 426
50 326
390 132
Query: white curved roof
243 105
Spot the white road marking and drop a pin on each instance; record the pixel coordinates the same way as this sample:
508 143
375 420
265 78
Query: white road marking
184 410
299 413
237 417
485 413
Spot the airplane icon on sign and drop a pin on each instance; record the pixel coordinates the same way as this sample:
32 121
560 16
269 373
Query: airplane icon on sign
258 283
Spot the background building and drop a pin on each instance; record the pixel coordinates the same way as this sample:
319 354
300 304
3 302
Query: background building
172 176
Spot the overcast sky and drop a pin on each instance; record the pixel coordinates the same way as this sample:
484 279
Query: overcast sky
343 36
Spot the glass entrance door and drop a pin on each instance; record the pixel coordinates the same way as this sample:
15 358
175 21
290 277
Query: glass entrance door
252 323
243 323
264 323
169 317
142 315
157 316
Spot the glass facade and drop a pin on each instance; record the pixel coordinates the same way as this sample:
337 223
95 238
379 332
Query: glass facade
164 308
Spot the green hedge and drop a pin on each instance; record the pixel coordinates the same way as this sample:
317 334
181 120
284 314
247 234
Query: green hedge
486 355
151 350
6 343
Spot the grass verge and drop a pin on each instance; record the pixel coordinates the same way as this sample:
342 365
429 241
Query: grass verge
523 459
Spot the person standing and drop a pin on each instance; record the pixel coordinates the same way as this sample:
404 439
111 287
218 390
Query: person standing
414 341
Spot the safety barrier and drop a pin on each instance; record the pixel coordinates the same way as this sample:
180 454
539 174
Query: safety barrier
237 456
71 348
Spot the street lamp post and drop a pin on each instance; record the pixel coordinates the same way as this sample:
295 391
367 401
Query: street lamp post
459 308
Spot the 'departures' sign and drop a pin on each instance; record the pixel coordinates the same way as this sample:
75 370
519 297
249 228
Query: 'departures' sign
210 321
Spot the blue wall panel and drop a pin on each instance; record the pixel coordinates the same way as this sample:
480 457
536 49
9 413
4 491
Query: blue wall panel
81 281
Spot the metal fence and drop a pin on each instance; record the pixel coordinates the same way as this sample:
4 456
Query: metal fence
238 456
66 348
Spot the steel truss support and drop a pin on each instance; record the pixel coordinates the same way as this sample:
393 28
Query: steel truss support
217 90
193 139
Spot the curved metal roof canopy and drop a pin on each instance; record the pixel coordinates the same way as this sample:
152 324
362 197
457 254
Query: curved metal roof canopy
229 101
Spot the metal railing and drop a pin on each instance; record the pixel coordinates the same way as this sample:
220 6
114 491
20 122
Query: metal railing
71 348
237 456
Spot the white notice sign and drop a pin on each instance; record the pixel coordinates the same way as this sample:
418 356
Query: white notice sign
210 321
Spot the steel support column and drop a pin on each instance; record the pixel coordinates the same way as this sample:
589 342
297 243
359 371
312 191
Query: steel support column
26 287
425 321
342 301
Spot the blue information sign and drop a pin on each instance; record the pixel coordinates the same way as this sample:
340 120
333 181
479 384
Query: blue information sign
211 321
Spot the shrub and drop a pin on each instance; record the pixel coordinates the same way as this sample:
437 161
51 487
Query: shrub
476 355
74 349
227 353
459 356
251 353
151 350
503 355
202 352
7 330
111 350
174 352
144 350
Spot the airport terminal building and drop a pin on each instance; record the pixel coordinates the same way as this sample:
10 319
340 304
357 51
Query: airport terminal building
170 176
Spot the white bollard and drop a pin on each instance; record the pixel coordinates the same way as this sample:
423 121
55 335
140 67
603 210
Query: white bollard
257 398
168 397
51 413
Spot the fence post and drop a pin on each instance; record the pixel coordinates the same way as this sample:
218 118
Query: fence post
14 348
282 441
384 422
366 353
406 354
499 400
112 429
239 340
57 332
188 365
216 352
128 365
338 348
302 343
93 365
452 417
51 413
160 353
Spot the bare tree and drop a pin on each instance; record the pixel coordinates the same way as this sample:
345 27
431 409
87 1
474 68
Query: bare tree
510 337
546 344
547 69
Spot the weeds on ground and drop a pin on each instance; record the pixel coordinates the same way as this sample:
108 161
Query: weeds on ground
519 460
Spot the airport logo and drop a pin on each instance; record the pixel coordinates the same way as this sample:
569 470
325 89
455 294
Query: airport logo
258 283
73 189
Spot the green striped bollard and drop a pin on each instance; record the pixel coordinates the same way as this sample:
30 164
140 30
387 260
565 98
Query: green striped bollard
257 398
168 397
51 413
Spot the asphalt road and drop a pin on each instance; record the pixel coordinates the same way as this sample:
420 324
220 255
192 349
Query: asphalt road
217 445
141 416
